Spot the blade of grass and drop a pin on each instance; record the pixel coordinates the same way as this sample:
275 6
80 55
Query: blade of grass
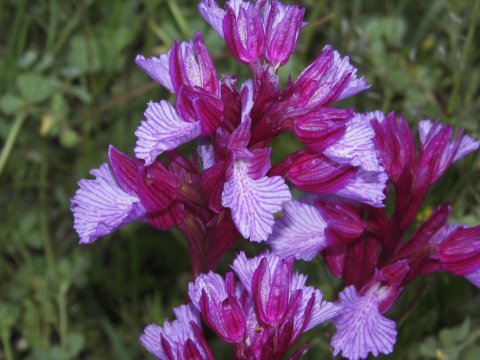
179 18
12 137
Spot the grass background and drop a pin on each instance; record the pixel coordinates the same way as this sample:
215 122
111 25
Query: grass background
69 87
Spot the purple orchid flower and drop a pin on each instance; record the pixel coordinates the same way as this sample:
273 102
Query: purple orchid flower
122 192
180 340
264 314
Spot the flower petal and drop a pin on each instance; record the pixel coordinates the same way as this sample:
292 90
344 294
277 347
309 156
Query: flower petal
356 146
213 15
162 130
157 68
100 206
361 329
300 232
366 187
253 202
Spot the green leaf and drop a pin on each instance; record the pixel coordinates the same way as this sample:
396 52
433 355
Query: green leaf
34 88
10 104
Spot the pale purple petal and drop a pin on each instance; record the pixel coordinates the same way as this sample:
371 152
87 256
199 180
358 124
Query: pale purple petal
244 269
100 206
157 68
207 153
175 333
213 285
366 187
322 310
300 232
342 67
213 15
162 130
246 93
474 278
253 202
361 329
356 146
467 145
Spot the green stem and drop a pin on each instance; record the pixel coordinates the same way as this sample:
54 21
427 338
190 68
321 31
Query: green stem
452 103
12 137
43 198
63 316
5 331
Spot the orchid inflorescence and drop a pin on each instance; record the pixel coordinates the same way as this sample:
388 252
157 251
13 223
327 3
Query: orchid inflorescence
350 164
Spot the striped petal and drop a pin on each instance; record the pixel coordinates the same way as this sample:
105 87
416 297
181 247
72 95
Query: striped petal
356 146
157 68
100 206
300 232
253 202
361 329
212 14
162 130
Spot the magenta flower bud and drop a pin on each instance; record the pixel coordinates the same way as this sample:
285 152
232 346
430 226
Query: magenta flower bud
283 23
243 31
270 290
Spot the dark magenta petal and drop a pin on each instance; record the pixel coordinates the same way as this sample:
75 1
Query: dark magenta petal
460 252
320 129
395 145
243 32
213 180
282 29
125 169
318 174
167 219
157 188
342 217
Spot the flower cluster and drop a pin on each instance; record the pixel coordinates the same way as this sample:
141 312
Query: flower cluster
349 164
261 316
369 250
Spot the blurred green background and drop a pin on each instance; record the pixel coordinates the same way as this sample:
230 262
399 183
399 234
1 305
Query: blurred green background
69 87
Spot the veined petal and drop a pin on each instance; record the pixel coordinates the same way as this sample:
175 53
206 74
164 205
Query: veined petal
322 310
361 329
125 169
300 232
162 130
253 202
366 187
100 206
157 68
356 146
213 15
